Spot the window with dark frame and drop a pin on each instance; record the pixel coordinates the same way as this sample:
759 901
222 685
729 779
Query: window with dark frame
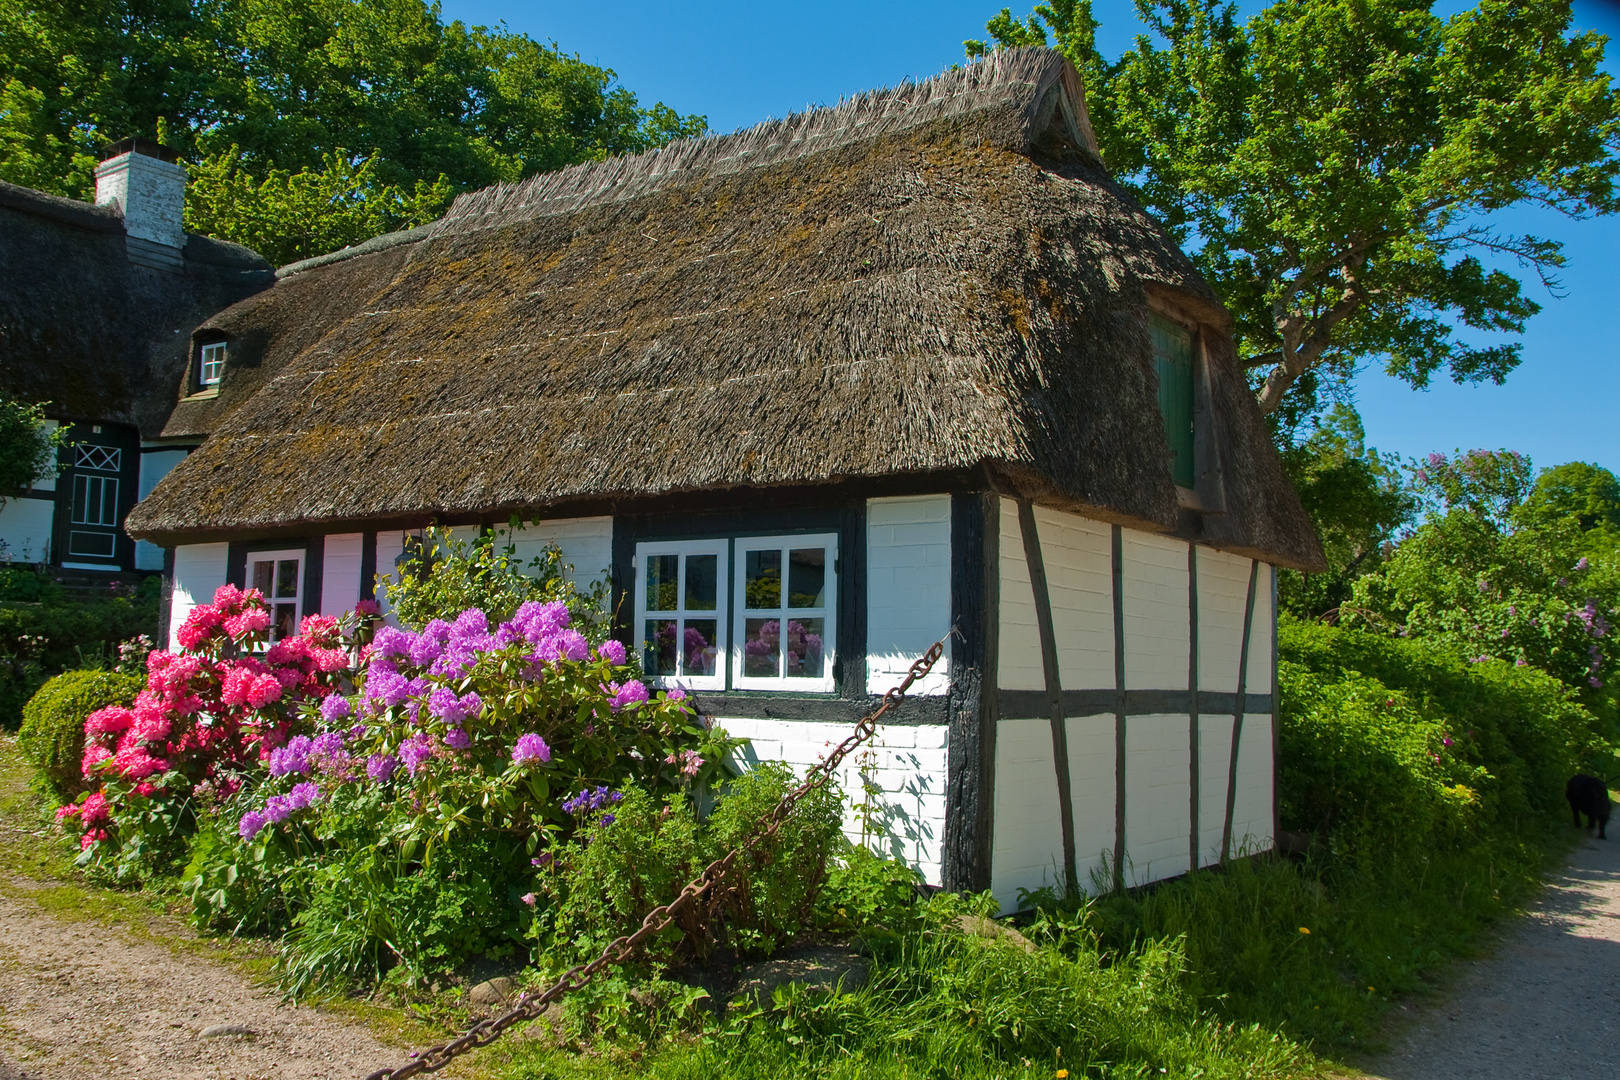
1173 360
744 613
279 575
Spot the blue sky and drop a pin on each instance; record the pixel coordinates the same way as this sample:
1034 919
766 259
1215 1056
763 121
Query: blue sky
740 63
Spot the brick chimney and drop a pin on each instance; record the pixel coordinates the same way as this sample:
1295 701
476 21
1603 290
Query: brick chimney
144 181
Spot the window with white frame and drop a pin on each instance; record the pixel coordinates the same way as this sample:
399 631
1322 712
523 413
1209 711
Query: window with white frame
279 575
751 613
211 364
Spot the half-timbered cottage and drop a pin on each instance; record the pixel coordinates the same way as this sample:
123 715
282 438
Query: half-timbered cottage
813 395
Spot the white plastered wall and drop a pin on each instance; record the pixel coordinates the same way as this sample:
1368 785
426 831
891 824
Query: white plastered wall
586 545
25 530
908 589
903 764
1077 557
340 572
155 465
199 569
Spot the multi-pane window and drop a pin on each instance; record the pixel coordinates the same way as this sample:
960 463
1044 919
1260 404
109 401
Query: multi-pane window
279 576
680 618
212 364
779 593
1173 359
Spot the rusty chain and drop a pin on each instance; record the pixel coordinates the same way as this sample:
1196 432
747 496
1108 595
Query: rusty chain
658 919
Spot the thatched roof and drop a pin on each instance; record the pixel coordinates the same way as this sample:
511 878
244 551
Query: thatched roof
931 279
88 331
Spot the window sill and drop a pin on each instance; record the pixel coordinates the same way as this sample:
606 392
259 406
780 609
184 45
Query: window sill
203 395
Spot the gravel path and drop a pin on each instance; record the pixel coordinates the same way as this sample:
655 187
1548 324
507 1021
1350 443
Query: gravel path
1547 1005
78 1001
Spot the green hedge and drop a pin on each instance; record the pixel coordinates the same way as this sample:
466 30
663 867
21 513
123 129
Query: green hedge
52 733
39 640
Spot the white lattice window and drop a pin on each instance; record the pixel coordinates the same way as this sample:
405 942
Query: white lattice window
279 575
104 458
212 367
751 613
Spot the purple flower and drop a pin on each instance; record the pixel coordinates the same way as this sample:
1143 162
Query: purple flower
292 758
531 747
591 800
444 704
456 739
252 822
470 623
381 766
612 651
1582 564
329 744
335 707
606 820
676 695
389 687
391 641
414 751
1597 683
430 643
533 622
633 692
277 809
303 795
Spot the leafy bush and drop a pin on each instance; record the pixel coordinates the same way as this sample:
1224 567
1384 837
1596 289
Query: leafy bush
52 733
39 639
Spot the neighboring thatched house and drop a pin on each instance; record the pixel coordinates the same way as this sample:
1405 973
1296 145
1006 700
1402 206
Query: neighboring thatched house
96 305
813 394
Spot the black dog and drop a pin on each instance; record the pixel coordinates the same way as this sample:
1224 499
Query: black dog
1590 796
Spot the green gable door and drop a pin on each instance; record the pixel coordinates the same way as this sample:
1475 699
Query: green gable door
1173 357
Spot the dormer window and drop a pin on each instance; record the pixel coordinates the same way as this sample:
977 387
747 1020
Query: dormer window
1173 359
211 364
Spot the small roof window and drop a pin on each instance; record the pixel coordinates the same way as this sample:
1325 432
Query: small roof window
211 363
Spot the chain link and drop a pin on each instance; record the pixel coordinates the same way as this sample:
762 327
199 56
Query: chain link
659 919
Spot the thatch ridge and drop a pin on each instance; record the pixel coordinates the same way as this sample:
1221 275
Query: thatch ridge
1025 85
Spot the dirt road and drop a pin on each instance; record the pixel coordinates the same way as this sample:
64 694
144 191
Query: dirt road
78 1000
1546 1005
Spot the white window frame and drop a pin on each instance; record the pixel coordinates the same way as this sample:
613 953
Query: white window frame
827 612
720 548
297 555
211 363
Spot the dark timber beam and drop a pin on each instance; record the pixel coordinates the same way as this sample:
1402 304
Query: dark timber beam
1036 562
1238 710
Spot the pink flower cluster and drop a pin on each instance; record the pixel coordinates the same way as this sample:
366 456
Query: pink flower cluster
210 711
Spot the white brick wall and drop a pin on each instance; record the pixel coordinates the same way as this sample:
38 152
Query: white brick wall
1262 666
1019 659
1223 584
908 582
1156 616
340 573
906 764
1091 783
1027 840
1156 780
1252 814
199 569
390 545
586 543
1078 555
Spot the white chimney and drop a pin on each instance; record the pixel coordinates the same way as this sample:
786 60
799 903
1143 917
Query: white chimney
149 189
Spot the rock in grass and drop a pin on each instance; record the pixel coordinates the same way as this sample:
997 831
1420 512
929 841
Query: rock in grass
220 1030
491 991
990 930
821 967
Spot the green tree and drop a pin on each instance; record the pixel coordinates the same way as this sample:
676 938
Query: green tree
1585 493
284 89
289 216
1358 501
28 444
1332 165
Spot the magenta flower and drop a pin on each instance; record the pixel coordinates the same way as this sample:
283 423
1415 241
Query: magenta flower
252 822
381 766
633 692
612 651
335 707
531 747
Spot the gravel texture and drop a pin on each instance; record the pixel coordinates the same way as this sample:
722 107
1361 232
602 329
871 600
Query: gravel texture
78 1000
1546 1006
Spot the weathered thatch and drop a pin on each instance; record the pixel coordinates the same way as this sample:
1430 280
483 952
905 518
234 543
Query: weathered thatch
931 279
87 330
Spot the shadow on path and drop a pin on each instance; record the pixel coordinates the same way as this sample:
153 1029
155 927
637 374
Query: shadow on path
1546 1006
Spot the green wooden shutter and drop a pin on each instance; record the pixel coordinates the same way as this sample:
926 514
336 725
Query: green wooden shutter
1173 357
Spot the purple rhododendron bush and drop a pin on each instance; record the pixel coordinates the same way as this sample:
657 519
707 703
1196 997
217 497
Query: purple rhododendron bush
386 799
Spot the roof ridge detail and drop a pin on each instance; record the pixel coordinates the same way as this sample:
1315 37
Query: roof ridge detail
1014 81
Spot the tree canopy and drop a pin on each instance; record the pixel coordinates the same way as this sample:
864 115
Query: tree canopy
379 102
1332 166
